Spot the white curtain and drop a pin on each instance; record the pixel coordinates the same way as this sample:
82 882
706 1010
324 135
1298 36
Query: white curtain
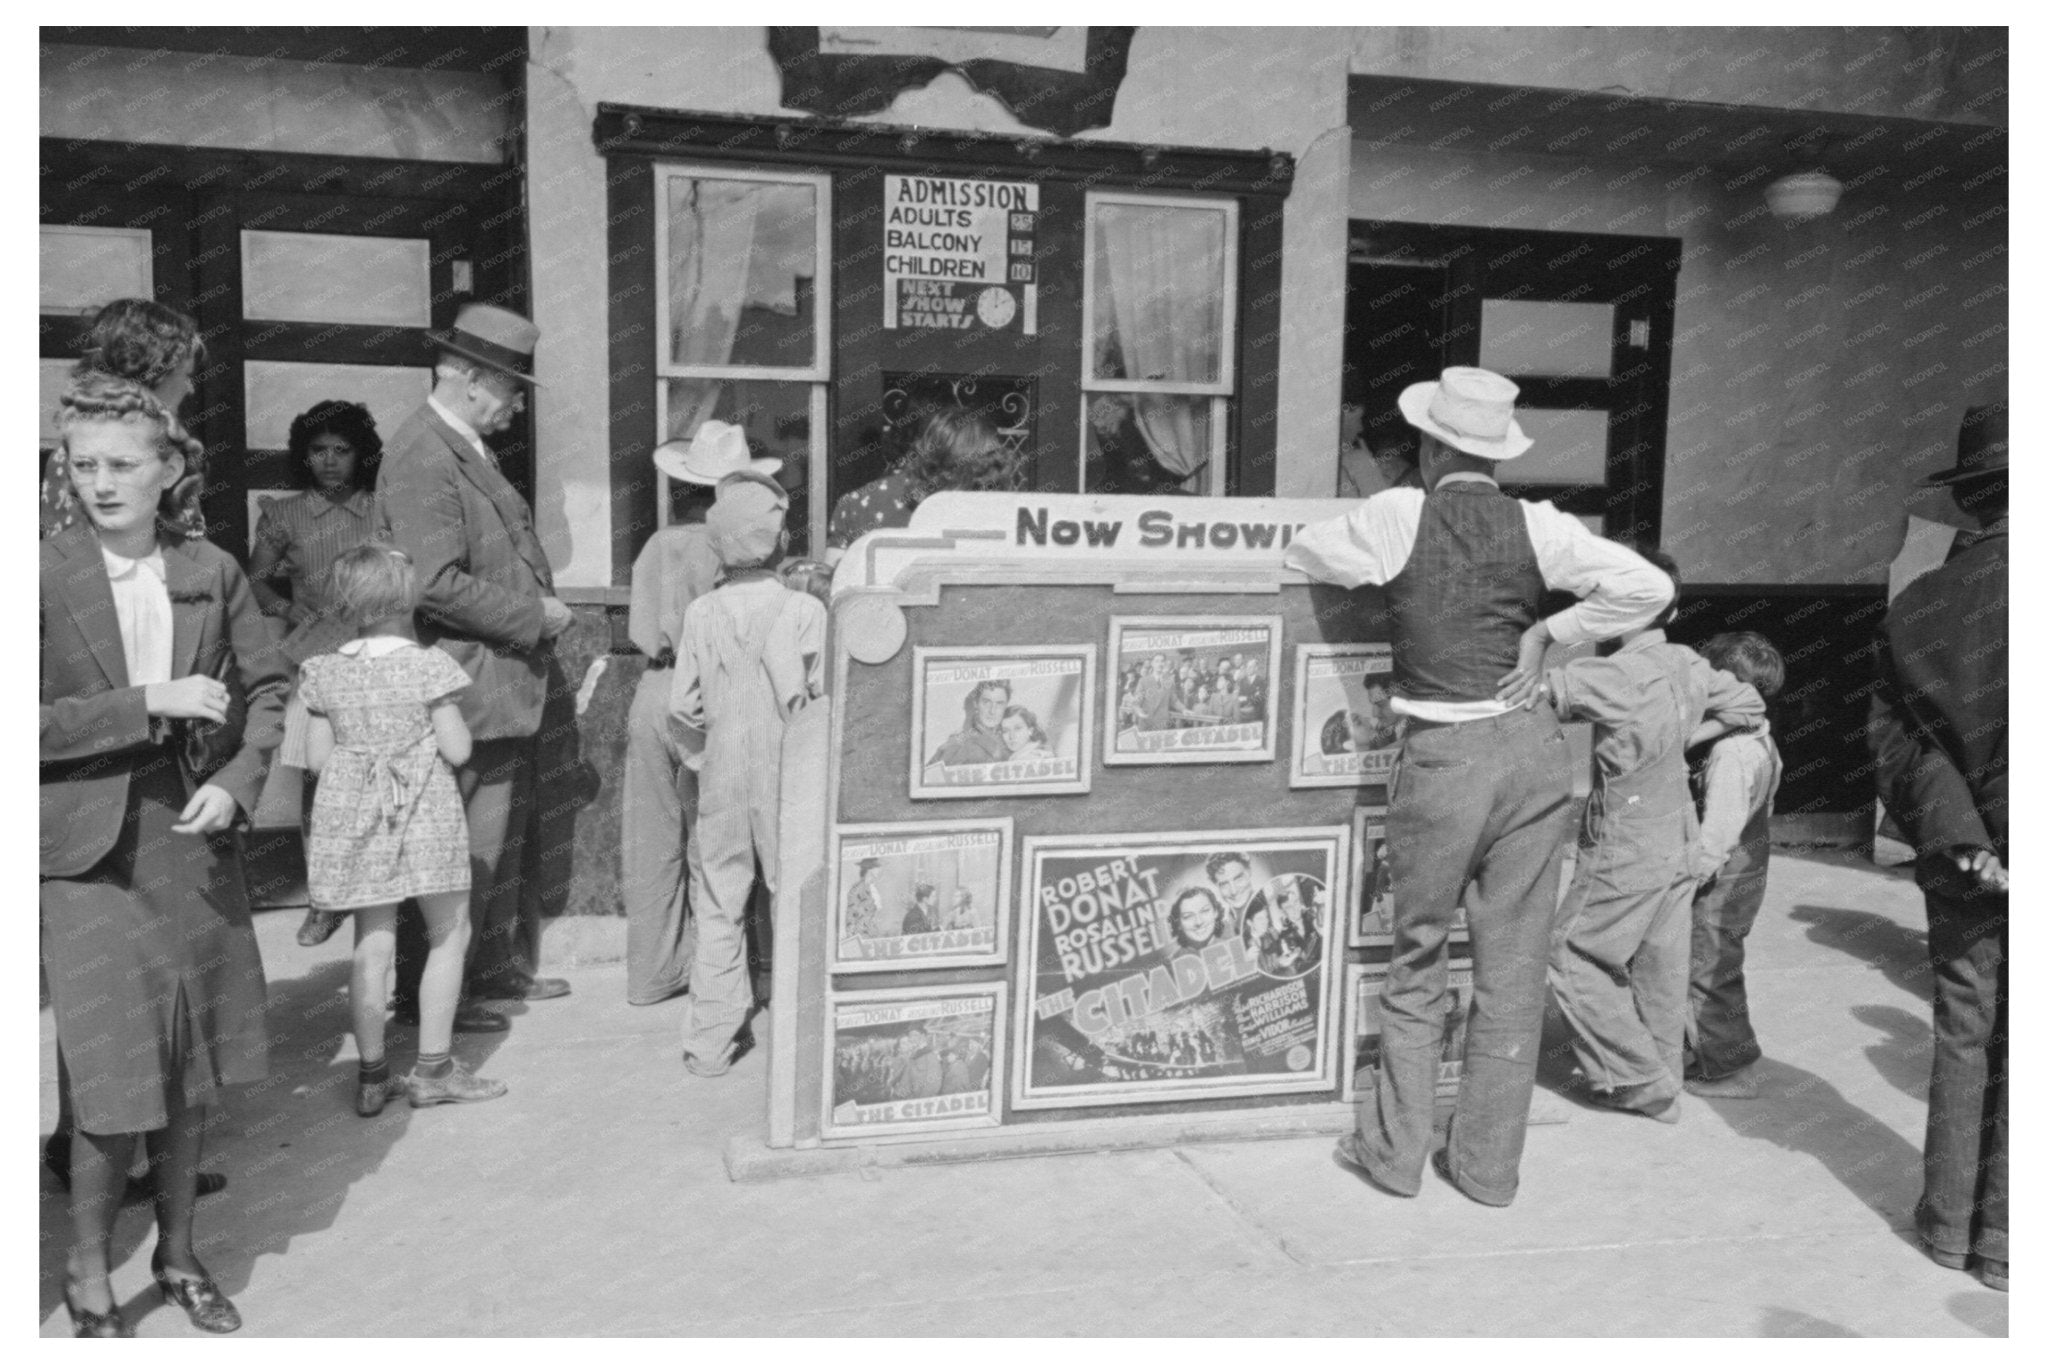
1164 269
710 247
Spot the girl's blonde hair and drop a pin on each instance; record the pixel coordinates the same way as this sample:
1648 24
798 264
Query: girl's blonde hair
372 583
95 397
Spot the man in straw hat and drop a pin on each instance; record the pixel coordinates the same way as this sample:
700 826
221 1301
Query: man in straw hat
1481 802
1937 729
750 657
487 597
659 791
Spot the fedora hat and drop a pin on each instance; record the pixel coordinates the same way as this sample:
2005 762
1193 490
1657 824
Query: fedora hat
492 336
1980 447
718 448
1468 409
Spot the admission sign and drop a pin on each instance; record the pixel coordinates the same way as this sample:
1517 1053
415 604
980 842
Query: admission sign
959 255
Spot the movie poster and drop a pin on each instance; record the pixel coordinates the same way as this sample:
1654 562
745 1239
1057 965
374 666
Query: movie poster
915 1060
991 721
1191 689
1345 730
1363 986
916 895
1372 917
1177 966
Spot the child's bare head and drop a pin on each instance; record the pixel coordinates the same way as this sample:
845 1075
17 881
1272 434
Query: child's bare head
1750 657
371 584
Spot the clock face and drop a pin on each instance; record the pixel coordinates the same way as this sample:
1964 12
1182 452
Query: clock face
995 307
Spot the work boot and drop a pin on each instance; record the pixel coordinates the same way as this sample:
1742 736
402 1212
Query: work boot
458 1086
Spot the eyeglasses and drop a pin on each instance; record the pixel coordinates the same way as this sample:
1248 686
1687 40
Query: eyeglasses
122 470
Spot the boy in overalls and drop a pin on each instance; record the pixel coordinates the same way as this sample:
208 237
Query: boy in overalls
1621 952
750 657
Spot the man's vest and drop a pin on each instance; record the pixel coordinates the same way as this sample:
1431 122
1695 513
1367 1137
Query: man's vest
1468 591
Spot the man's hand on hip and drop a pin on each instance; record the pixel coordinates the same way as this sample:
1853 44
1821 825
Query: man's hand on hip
555 617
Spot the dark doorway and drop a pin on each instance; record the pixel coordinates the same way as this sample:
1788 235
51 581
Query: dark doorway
1582 322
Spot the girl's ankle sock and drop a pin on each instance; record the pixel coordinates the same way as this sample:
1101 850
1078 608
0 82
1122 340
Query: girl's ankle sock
432 1065
373 1072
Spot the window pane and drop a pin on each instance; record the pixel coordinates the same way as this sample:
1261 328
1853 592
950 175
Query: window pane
775 416
1571 447
742 272
1146 442
1158 285
84 267
321 277
277 391
1555 340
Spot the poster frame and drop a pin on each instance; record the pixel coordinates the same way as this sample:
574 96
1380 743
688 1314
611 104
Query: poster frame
842 834
1306 732
1362 817
1356 974
1084 771
1120 626
1319 1078
996 990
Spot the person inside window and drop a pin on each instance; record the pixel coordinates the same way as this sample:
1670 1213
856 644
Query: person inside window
954 449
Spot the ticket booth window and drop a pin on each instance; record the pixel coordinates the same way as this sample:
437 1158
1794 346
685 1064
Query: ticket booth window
743 258
1160 297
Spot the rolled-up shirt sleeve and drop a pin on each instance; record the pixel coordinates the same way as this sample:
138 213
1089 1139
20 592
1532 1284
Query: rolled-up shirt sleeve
1619 589
1368 544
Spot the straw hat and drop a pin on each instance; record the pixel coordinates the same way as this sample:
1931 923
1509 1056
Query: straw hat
1468 409
718 448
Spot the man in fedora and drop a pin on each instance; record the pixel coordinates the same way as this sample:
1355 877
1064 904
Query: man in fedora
1937 730
659 793
487 598
1481 801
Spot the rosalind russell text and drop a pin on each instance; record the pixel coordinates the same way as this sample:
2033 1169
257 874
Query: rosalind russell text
1155 529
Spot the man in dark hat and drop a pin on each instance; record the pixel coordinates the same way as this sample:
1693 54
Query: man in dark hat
1937 730
487 598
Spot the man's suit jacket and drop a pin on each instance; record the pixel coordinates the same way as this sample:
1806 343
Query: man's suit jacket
93 724
481 570
1938 714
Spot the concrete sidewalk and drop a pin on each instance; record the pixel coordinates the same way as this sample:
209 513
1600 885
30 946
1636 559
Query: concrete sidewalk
593 1199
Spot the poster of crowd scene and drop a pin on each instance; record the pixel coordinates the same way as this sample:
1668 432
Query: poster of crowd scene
1345 731
1176 966
1192 690
1001 722
1363 988
1372 874
916 1060
914 895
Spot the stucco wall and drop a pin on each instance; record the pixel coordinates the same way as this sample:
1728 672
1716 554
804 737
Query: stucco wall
1950 74
1237 88
1817 370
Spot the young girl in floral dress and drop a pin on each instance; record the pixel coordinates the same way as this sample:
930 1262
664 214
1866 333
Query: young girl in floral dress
384 736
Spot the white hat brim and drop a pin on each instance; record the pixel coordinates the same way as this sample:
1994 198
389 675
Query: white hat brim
675 463
1414 403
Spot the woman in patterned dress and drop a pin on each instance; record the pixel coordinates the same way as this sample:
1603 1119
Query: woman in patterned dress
384 736
955 448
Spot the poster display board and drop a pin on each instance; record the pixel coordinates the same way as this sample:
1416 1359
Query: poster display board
920 895
1372 876
1157 966
912 1060
1363 986
1001 721
1345 730
1190 689
959 255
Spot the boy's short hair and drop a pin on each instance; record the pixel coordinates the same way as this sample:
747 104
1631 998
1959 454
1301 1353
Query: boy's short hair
371 583
1750 657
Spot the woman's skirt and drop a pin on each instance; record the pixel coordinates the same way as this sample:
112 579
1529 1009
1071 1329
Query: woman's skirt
154 974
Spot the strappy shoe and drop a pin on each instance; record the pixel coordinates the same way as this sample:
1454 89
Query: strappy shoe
107 1325
201 1298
